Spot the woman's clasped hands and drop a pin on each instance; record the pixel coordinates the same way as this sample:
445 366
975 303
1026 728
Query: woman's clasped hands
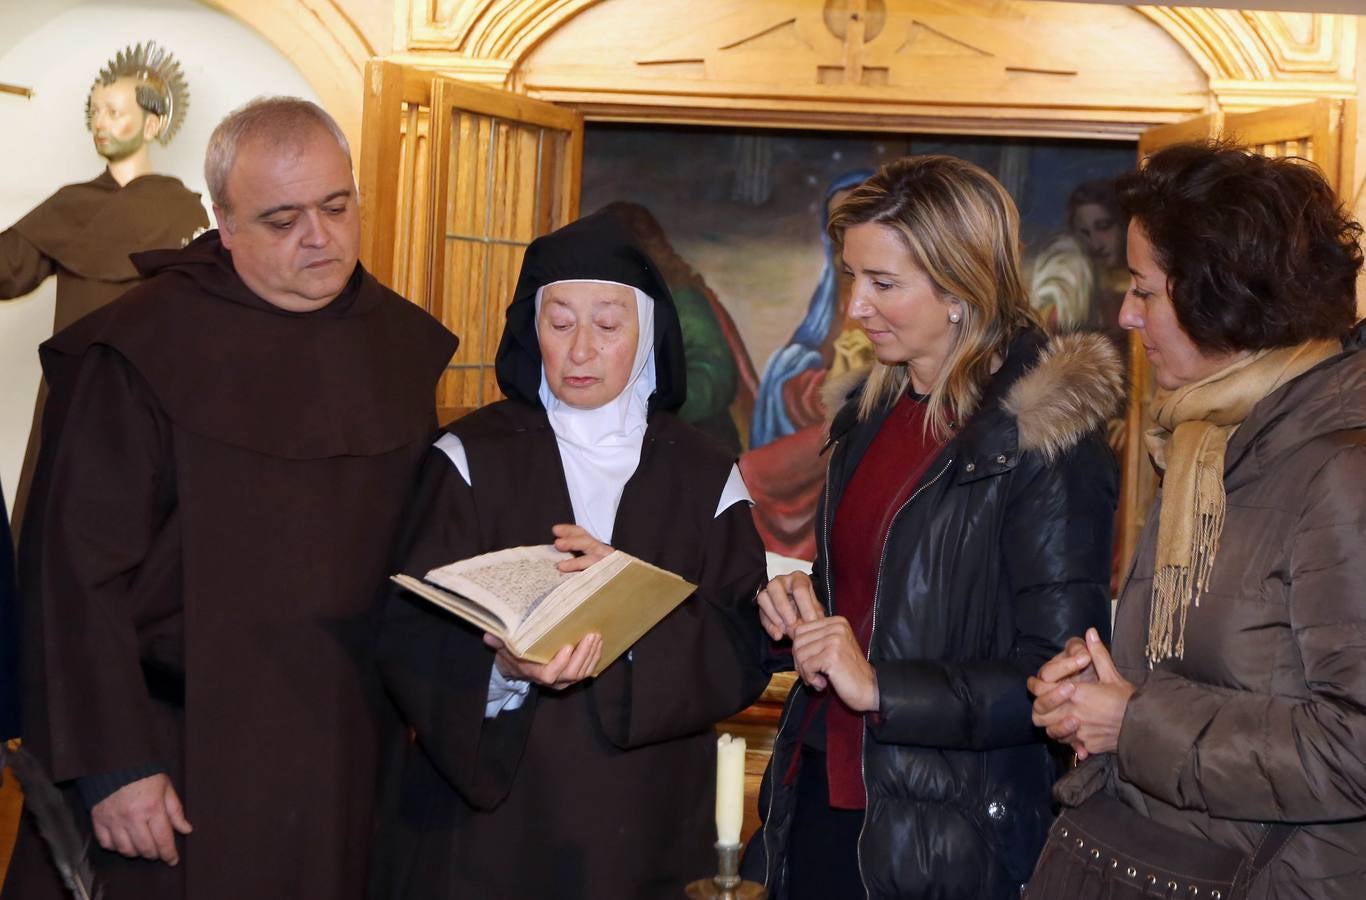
1080 697
824 649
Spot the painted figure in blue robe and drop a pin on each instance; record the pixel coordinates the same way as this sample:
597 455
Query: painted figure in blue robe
803 351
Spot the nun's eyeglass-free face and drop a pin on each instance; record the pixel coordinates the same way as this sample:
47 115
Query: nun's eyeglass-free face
588 333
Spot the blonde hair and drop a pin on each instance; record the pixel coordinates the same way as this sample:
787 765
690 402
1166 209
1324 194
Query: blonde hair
963 230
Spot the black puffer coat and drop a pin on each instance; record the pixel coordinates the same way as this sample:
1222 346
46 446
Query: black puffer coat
1000 555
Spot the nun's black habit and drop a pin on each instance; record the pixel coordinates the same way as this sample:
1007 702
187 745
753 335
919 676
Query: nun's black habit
606 789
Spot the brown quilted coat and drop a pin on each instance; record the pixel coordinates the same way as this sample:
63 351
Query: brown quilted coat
1264 719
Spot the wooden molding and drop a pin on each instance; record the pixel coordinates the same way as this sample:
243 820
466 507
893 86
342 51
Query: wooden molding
490 72
741 60
487 29
1245 96
1303 42
974 61
804 62
797 63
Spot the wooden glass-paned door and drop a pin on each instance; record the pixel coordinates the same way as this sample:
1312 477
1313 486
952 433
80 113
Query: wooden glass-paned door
507 170
475 174
1313 131
1197 129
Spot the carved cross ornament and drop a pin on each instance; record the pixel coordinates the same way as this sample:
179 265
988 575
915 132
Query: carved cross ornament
858 43
856 22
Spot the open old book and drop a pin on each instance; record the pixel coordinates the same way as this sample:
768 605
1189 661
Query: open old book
519 596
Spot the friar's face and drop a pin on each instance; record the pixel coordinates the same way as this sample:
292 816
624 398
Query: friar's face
120 127
293 226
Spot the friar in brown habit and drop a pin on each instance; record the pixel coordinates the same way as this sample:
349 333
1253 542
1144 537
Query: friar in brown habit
85 232
227 449
529 780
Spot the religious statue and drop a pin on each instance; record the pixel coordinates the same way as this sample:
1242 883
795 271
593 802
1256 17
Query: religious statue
85 232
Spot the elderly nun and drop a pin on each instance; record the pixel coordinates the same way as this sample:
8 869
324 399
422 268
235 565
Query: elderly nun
525 780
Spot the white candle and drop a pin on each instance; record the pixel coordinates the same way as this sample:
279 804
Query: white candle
730 788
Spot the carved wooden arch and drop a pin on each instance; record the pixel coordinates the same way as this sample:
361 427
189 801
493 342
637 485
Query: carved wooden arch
504 30
1256 59
1251 58
322 42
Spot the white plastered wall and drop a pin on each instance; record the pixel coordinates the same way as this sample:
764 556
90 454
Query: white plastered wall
57 47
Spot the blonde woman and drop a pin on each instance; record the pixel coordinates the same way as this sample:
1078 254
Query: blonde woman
963 535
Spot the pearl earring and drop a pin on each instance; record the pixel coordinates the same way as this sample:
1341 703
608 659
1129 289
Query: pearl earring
955 317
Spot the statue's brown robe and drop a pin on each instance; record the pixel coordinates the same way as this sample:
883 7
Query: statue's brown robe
605 789
84 234
213 512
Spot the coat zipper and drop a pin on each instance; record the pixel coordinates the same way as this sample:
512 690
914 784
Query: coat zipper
868 654
772 791
773 775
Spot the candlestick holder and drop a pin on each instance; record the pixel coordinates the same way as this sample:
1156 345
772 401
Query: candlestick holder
726 883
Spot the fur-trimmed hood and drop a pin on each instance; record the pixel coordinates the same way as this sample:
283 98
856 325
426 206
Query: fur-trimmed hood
1076 384
1073 385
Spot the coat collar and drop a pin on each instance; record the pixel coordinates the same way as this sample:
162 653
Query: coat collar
1324 400
1048 394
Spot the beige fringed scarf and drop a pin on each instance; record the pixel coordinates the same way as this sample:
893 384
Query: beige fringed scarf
1190 431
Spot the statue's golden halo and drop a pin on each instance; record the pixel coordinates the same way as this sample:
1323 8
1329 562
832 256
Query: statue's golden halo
161 84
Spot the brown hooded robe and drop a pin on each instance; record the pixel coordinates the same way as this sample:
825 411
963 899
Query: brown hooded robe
212 513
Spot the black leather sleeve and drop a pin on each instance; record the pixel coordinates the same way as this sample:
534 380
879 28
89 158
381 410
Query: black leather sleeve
1055 550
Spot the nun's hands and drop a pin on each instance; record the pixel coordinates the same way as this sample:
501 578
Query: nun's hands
570 665
573 539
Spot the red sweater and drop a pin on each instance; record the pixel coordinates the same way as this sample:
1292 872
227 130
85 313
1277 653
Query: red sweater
884 480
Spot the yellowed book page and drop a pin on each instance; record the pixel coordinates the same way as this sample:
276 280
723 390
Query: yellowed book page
511 584
568 596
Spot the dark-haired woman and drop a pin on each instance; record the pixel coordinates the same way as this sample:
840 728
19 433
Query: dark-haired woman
1231 708
963 535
